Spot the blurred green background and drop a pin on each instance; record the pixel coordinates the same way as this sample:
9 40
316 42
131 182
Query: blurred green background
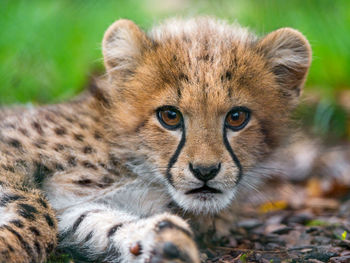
49 50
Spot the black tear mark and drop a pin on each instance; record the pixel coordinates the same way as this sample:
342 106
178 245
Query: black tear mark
173 158
233 156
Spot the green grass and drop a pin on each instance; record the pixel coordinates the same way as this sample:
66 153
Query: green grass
50 49
317 222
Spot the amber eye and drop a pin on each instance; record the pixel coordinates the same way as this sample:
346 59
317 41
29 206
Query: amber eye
169 117
237 118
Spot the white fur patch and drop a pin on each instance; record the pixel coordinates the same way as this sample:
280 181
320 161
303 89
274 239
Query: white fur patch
121 47
98 220
195 27
208 204
6 216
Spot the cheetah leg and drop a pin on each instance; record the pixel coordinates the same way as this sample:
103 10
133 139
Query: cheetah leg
98 233
27 226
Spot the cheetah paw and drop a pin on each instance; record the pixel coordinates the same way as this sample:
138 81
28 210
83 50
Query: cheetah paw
173 243
170 241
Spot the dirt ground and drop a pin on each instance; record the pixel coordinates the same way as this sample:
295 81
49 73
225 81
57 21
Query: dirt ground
303 219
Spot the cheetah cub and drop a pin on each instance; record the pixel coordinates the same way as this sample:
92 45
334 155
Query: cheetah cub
138 167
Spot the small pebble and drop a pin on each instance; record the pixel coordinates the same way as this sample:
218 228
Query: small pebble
312 260
282 230
270 229
301 218
345 253
250 223
345 243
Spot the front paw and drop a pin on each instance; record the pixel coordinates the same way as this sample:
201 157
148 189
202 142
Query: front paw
172 242
169 252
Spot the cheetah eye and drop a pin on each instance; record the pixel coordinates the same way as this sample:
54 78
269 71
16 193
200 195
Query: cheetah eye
169 117
237 118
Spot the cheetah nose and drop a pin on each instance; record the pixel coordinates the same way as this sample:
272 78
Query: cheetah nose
205 173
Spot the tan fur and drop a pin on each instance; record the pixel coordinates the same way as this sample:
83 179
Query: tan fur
89 149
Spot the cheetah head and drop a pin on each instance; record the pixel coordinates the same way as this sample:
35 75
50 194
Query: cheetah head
201 102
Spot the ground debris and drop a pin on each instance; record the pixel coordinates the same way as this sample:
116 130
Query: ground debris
300 223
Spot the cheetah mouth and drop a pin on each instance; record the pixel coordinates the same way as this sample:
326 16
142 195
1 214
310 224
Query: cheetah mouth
204 190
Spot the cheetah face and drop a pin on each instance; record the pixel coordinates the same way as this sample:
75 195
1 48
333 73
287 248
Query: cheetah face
204 169
201 102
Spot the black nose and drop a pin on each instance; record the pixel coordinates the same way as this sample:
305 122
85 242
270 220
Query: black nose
205 173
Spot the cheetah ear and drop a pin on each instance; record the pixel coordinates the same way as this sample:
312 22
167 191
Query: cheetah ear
122 47
289 55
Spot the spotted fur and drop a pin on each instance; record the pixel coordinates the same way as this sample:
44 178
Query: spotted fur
105 174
